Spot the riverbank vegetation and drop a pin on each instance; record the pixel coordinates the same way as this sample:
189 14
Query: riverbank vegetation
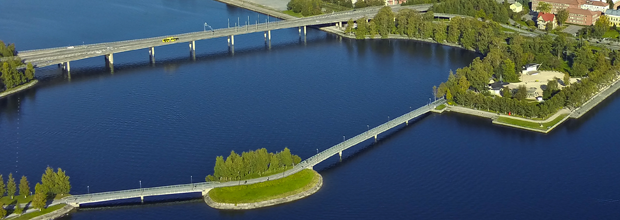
54 185
11 75
486 9
252 164
274 189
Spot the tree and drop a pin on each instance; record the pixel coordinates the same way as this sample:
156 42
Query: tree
18 209
2 210
508 71
543 7
362 28
601 26
448 95
562 16
48 181
29 72
275 163
11 188
521 93
506 92
24 187
454 30
566 79
62 181
2 186
349 28
39 200
439 34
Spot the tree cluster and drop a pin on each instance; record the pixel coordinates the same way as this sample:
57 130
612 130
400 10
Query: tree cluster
52 183
10 75
10 188
417 2
468 87
487 9
368 3
343 3
305 7
597 30
251 164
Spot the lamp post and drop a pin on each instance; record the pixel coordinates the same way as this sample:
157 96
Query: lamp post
367 128
191 179
140 185
317 151
88 189
343 138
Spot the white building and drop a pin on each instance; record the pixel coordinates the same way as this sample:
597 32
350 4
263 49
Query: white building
516 7
595 6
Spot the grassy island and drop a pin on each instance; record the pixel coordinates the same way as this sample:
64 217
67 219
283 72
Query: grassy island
274 189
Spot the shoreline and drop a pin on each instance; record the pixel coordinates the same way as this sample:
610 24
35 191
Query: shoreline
267 203
19 88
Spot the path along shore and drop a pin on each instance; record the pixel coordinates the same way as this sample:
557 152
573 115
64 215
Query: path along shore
18 88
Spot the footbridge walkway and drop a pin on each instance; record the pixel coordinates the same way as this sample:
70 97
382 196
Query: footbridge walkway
204 187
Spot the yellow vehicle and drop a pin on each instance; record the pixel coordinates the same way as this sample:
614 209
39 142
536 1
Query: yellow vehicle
169 39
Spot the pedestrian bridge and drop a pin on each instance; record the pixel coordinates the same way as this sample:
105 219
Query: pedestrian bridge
204 187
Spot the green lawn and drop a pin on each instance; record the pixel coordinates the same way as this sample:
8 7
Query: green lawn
274 189
532 125
442 106
291 13
20 199
38 213
612 34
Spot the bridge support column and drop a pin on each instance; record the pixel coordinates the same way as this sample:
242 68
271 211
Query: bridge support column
67 66
407 122
305 32
375 138
152 54
340 24
340 153
109 58
192 46
232 40
269 35
299 31
142 199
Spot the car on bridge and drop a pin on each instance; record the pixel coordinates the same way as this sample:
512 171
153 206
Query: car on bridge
169 39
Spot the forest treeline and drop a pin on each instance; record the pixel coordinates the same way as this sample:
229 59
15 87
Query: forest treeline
252 164
10 74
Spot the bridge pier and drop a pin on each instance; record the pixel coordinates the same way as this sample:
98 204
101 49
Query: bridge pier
152 54
66 66
305 32
340 153
232 40
192 46
407 122
375 138
109 62
142 199
299 31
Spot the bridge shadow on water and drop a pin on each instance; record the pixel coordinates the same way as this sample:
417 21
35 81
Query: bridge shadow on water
149 201
356 152
54 76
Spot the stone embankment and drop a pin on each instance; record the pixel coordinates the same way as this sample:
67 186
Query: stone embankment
272 202
64 211
19 88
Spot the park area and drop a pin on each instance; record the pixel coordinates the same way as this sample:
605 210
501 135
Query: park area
536 82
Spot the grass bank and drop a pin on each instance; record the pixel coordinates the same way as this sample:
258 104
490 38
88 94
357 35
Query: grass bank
19 198
531 125
292 13
274 189
39 213
440 107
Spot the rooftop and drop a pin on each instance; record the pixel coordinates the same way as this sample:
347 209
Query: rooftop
612 12
546 16
582 11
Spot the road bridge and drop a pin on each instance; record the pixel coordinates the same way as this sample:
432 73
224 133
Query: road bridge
204 187
64 55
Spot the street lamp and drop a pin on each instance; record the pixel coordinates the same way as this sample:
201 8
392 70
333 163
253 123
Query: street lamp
191 178
367 128
88 189
343 138
317 151
140 185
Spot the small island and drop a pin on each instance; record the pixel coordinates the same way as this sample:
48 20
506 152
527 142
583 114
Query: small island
14 78
267 186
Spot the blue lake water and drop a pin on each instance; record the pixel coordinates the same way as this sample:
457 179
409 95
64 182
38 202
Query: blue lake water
165 123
